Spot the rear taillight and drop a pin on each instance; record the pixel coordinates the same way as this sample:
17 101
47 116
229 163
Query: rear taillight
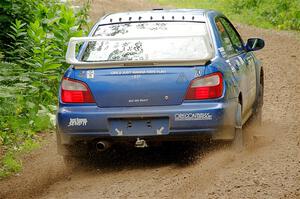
207 87
74 91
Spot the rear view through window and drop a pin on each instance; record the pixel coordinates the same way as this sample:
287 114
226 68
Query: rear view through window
149 41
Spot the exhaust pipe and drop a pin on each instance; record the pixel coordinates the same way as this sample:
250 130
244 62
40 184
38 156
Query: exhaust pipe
102 146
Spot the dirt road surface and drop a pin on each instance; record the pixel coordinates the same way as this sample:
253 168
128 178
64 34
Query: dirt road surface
268 168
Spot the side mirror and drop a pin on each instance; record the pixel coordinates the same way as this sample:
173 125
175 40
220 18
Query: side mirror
254 44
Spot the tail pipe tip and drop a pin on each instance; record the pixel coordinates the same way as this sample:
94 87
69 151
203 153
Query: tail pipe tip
102 146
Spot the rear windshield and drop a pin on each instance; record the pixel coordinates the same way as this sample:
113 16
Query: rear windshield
148 41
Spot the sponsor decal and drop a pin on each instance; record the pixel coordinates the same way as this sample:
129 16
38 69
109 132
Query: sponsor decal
137 100
241 61
136 76
222 51
237 61
138 72
78 122
90 74
192 116
232 68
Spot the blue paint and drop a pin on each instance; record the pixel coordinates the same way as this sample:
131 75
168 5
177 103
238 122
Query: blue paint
159 96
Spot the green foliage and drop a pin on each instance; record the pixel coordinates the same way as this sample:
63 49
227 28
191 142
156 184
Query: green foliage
32 64
10 165
18 36
281 14
12 10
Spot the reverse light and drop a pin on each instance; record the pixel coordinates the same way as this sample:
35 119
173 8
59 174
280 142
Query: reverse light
207 87
74 91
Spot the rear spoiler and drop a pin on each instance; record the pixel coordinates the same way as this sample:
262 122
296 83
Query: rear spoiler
74 41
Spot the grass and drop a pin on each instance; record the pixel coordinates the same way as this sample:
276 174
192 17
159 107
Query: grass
11 163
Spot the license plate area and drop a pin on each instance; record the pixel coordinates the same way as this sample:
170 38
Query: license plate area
139 126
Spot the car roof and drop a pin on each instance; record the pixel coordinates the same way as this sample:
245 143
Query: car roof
197 15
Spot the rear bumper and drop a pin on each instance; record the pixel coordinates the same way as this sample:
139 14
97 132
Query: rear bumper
185 121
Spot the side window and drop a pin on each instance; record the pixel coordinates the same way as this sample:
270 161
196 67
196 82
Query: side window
234 36
226 42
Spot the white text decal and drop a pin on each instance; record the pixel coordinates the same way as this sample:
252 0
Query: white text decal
192 116
78 122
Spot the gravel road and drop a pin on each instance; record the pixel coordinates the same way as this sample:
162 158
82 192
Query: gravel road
269 167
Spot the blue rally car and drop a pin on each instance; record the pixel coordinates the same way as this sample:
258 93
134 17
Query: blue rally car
156 76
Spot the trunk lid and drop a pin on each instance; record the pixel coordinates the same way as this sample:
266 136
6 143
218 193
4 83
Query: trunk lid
142 86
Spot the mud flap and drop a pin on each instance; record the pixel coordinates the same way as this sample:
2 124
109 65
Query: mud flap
227 131
61 149
66 149
238 142
257 116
